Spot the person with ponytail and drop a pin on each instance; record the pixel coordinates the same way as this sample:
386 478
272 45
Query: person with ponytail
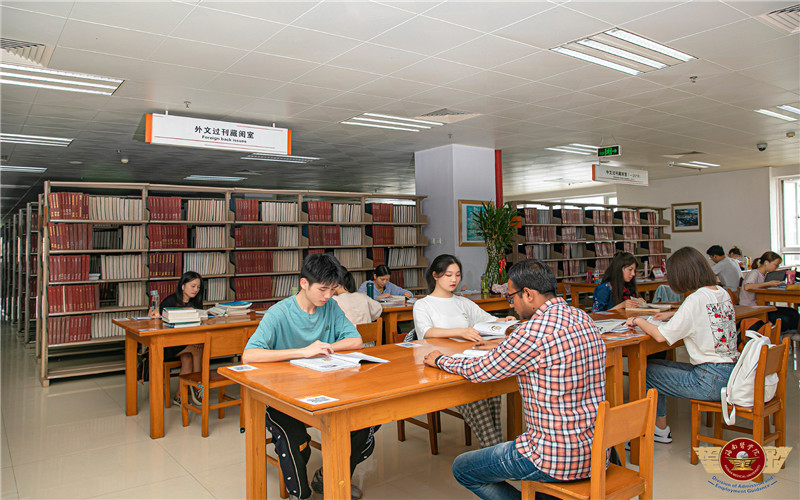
755 280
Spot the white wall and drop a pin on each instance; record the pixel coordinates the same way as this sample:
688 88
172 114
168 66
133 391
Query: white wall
735 207
445 175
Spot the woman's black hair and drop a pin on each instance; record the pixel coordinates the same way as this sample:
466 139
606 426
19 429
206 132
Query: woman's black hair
348 282
381 270
438 267
767 256
197 300
614 275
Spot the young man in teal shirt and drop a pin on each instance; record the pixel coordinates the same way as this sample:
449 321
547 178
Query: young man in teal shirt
306 325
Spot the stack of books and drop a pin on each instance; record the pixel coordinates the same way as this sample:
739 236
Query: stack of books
235 308
180 317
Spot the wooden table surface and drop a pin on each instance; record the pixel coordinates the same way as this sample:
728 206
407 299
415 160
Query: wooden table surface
153 333
767 295
394 313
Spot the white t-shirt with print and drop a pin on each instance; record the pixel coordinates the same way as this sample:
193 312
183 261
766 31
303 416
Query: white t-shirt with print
706 322
452 312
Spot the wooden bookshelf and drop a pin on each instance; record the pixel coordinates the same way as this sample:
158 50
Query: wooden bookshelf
575 238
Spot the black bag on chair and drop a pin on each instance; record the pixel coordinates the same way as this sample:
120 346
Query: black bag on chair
143 366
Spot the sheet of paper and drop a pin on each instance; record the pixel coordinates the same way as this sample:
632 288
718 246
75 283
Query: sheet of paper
317 400
408 344
242 368
471 353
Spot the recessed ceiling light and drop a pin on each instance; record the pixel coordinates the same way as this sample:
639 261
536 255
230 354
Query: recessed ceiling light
775 115
220 178
375 125
75 162
790 109
704 163
27 76
413 120
390 122
37 140
375 120
573 151
583 146
622 53
9 168
692 165
280 158
596 60
649 44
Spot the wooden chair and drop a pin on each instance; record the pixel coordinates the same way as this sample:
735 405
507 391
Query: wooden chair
767 329
216 345
371 332
734 295
613 426
772 360
168 367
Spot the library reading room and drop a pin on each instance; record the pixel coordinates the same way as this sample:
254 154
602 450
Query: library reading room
390 250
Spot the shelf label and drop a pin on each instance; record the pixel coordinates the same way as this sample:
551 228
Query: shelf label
212 134
619 175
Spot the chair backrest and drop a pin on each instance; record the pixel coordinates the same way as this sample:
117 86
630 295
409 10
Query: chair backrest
771 360
734 295
222 343
371 332
617 425
766 329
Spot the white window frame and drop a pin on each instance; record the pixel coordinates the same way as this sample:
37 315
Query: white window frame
791 254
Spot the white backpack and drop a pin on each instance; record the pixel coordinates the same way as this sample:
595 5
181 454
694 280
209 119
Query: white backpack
741 384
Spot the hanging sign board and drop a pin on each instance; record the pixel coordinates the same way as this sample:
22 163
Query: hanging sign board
618 175
212 134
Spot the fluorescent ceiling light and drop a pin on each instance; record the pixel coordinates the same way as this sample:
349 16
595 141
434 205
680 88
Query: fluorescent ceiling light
581 149
413 120
28 76
379 126
583 146
35 139
8 168
622 53
790 109
648 44
775 115
704 163
374 120
596 60
574 151
280 158
220 178
692 165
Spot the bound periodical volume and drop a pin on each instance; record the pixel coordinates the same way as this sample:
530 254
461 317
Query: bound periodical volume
205 262
164 207
494 329
346 212
205 210
115 208
337 361
235 308
210 237
132 294
181 316
216 289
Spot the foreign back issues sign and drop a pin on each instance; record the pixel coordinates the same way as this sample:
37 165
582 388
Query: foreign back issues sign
212 134
618 175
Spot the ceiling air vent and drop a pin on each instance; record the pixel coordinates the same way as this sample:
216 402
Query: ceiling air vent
445 115
786 20
20 52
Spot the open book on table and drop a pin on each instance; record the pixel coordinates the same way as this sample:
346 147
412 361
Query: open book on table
337 361
494 329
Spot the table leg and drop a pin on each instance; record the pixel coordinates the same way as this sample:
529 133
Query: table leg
255 447
131 395
336 456
156 389
576 297
513 415
637 368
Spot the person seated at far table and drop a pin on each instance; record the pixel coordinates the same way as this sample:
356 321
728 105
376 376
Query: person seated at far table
726 269
706 322
356 306
188 293
445 315
559 360
305 325
383 288
736 254
767 263
617 291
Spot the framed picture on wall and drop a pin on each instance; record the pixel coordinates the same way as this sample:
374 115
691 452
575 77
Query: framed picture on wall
468 233
687 217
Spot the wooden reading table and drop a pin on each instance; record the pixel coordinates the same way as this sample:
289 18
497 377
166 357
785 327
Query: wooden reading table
766 295
578 287
153 334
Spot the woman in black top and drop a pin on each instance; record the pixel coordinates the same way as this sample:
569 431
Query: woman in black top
188 293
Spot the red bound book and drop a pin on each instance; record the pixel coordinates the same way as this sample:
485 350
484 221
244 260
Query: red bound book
271 236
268 265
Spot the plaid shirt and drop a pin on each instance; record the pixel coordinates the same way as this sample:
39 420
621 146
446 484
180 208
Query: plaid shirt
559 359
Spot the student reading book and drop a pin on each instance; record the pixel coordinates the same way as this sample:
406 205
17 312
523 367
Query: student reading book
443 314
305 325
756 280
382 287
618 288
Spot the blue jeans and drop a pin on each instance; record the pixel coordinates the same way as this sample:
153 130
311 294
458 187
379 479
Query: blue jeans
484 472
684 380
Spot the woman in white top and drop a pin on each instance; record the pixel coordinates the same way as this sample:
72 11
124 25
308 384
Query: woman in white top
706 323
442 314
755 280
356 306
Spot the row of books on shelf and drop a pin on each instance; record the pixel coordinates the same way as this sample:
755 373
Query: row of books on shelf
85 327
132 294
349 257
65 236
391 235
118 267
206 210
591 249
165 264
266 236
332 235
216 289
248 209
405 278
210 237
114 208
68 205
327 211
71 298
121 238
399 257
206 262
253 287
590 216
172 236
541 234
68 268
266 261
164 207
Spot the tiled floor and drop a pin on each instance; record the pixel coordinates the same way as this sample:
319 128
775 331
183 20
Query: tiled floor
73 440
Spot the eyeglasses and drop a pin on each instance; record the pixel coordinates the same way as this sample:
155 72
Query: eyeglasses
510 296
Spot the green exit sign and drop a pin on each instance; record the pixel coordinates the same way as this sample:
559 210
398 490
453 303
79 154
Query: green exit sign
609 151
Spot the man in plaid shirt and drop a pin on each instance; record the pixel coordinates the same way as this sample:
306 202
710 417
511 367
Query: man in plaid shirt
559 360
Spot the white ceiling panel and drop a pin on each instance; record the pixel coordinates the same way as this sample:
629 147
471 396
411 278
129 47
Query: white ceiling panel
222 28
653 98
619 13
267 110
485 17
242 85
172 74
684 19
17 24
196 55
758 54
712 43
83 61
108 40
336 78
358 102
376 59
572 101
534 92
430 36
540 65
279 12
488 82
271 66
537 30
589 76
362 20
436 71
307 44
157 17
624 87
783 73
303 94
487 52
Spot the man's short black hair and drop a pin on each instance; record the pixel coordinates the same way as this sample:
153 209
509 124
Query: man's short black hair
348 282
716 251
322 268
534 275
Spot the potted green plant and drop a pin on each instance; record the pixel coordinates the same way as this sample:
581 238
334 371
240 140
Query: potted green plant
497 225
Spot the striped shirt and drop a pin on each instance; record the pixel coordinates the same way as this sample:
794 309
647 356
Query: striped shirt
559 359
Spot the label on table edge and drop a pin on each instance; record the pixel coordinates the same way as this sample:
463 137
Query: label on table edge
317 400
